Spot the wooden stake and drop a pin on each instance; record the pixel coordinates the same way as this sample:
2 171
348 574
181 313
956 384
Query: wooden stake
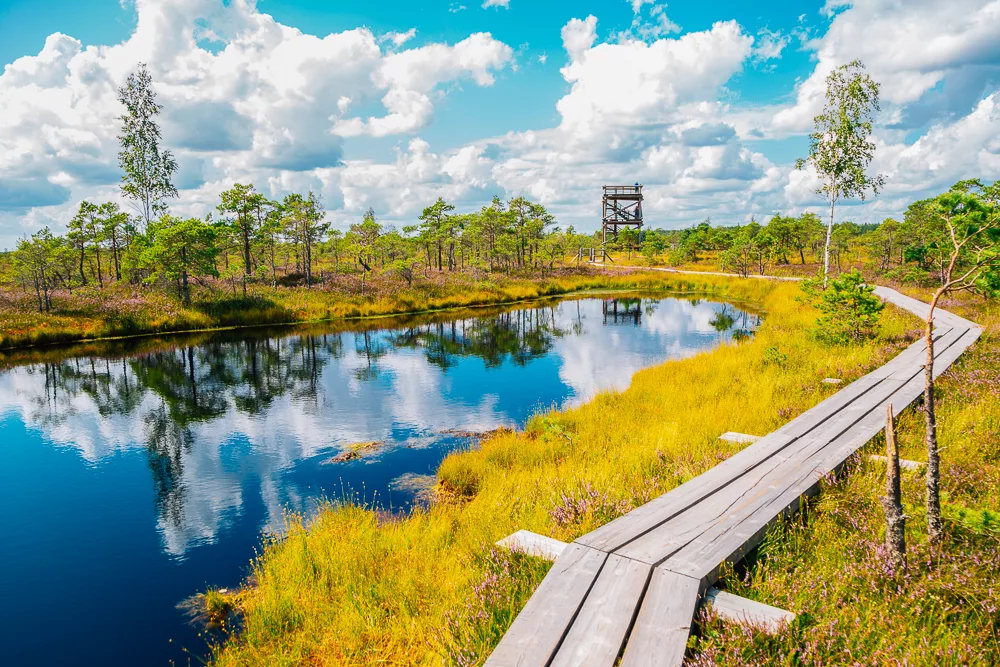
895 520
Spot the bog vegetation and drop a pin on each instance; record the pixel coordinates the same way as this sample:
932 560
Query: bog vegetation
355 586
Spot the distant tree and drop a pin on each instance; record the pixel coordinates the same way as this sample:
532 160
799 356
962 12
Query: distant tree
179 250
115 229
844 234
741 255
782 232
246 208
433 230
765 249
840 149
364 238
805 230
883 242
148 171
84 230
34 259
304 216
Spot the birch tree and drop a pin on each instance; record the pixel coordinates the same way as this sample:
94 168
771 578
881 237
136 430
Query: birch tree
840 146
148 171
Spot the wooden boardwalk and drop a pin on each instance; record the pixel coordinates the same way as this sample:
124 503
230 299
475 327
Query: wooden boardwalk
630 589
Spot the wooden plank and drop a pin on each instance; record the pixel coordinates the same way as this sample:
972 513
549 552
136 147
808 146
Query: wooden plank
749 612
592 602
905 464
538 630
641 520
750 491
745 528
533 544
598 633
732 436
740 498
663 625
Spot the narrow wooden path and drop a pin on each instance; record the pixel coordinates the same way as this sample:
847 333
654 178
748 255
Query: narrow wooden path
630 589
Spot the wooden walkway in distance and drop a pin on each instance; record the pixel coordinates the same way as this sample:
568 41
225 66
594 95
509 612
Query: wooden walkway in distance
630 590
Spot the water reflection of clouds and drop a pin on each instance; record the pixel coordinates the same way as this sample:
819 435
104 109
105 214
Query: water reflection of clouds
214 418
674 329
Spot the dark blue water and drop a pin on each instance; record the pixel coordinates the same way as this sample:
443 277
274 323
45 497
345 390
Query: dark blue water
134 477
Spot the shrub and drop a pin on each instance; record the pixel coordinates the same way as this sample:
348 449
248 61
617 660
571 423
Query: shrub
848 306
774 357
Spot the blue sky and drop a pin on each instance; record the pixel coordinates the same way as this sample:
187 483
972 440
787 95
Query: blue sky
707 103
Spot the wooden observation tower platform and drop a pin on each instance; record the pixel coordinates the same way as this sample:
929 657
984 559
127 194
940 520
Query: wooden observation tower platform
621 206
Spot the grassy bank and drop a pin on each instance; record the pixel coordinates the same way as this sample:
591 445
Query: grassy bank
358 587
118 311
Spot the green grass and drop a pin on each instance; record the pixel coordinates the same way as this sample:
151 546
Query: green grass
354 586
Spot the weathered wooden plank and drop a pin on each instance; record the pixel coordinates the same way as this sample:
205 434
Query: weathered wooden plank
641 520
944 360
742 531
750 612
538 630
905 464
533 544
599 630
915 353
740 497
659 637
750 491
732 436
582 612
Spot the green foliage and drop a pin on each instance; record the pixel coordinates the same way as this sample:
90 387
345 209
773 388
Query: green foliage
147 171
848 306
774 357
179 250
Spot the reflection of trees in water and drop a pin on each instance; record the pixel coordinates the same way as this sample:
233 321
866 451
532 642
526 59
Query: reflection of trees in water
520 335
172 391
740 322
724 318
622 311
373 347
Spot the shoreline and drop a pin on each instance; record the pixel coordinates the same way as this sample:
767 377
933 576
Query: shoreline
500 301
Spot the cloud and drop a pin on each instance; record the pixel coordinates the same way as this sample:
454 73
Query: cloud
399 38
272 105
266 96
22 193
769 45
496 3
909 48
578 36
639 83
656 24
